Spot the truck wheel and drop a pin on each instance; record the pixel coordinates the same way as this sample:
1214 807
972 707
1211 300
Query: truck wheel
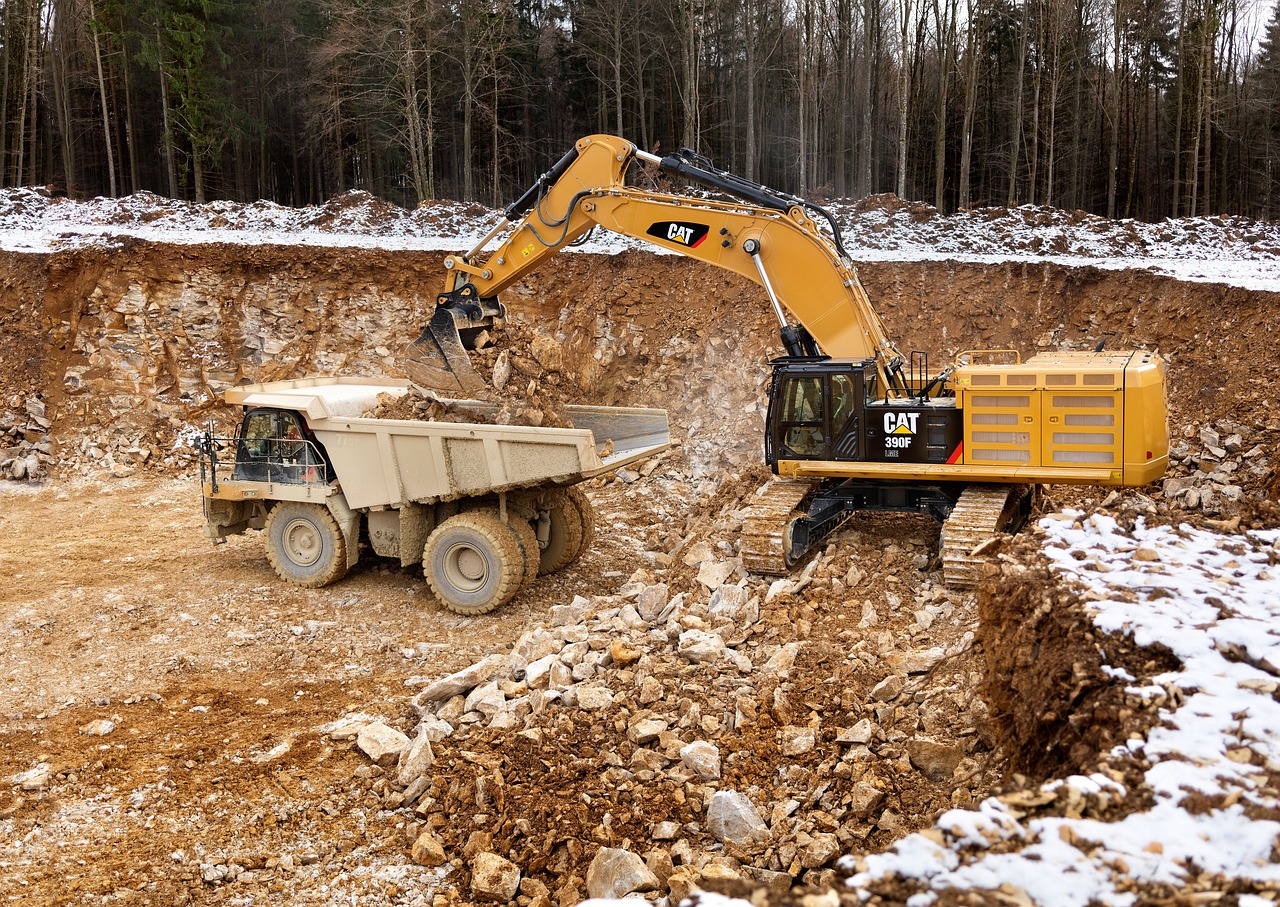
572 528
474 562
305 545
530 555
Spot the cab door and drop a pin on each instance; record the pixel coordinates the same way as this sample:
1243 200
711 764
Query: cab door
815 414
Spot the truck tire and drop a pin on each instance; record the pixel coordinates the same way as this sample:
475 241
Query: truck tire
528 547
474 562
305 545
573 527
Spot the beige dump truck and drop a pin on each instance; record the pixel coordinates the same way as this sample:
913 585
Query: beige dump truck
484 508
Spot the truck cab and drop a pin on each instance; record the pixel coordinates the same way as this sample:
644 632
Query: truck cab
275 445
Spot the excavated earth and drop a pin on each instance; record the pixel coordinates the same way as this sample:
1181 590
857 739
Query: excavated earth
178 726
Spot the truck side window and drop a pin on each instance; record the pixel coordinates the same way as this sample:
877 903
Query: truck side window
802 418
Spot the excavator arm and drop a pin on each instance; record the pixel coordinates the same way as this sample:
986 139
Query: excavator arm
771 238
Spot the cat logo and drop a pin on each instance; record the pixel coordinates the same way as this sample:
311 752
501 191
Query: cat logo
900 423
681 233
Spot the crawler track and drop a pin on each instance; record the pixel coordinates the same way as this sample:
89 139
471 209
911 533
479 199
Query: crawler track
982 512
766 535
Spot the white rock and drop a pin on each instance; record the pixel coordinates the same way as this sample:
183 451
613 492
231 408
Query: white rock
570 615
561 676
573 654
435 728
821 848
646 730
651 601
782 660
462 681
713 573
703 758
859 733
487 699
537 674
501 370
731 816
33 779
701 647
494 878
732 602
629 619
537 644
778 587
380 743
920 662
615 873
797 740
100 727
697 553
415 759
665 831
593 697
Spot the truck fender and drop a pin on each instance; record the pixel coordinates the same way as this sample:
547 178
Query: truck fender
349 521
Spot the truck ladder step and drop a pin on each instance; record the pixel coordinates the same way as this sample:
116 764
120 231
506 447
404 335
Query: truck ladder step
982 512
766 536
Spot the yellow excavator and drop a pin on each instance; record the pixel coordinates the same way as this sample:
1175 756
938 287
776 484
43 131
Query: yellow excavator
852 423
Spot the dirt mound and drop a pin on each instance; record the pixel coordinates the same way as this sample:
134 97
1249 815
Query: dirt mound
1054 709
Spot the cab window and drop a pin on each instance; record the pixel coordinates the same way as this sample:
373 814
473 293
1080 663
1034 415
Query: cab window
803 433
842 403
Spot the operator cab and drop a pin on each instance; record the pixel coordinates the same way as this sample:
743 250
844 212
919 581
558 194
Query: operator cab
836 410
275 445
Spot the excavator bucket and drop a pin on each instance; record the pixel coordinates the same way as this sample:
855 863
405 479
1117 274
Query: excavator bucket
438 359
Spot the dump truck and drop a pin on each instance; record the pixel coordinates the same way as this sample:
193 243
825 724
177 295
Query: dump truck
484 508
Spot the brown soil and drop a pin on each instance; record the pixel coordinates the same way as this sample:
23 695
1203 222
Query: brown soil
219 677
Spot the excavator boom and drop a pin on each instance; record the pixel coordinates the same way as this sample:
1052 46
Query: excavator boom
773 239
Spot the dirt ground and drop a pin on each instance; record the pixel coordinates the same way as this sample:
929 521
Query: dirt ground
221 780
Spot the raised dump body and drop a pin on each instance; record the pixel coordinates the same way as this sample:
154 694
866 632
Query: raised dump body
485 508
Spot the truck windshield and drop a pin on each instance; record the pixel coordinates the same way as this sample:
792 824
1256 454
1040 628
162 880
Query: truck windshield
273 448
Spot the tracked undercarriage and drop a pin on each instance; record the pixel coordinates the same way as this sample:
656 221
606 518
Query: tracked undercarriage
791 516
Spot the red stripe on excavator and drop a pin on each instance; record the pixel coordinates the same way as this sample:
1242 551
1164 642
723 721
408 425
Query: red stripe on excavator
699 242
955 454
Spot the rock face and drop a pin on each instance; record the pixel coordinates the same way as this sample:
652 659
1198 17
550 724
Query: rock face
731 816
494 878
615 873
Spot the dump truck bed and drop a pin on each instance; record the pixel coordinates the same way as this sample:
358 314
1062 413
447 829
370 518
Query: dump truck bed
387 462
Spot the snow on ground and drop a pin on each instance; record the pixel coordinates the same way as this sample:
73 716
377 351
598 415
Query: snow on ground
1214 602
1227 250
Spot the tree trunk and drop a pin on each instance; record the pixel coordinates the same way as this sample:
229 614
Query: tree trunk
970 105
904 91
102 93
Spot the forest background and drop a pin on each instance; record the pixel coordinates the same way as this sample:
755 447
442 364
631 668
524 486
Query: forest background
1126 108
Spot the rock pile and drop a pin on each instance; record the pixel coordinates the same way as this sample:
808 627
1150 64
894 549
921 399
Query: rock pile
25 450
656 742
1224 470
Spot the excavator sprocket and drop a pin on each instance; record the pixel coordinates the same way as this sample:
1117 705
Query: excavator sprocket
766 536
982 512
